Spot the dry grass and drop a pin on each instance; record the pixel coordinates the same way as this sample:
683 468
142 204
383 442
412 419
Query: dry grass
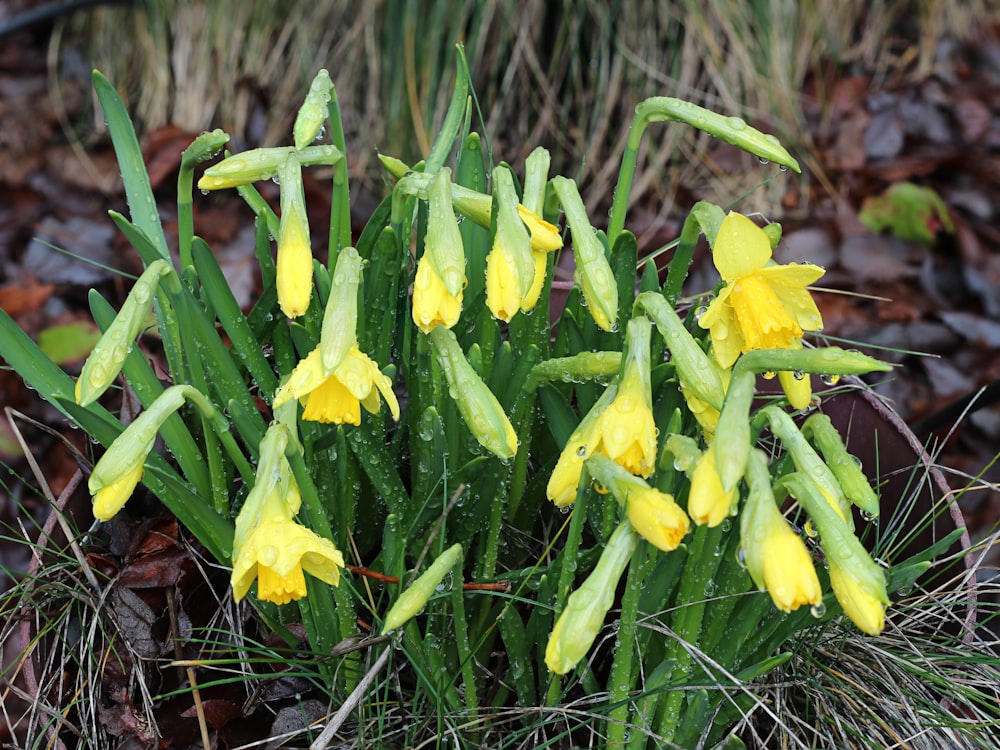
565 76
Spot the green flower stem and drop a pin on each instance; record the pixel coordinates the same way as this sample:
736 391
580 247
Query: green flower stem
691 604
567 571
465 655
669 109
205 146
220 428
329 612
340 202
622 679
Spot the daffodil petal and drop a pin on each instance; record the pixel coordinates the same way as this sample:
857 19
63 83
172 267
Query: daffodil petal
741 247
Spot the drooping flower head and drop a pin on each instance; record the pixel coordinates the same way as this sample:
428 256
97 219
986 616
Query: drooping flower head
620 425
776 557
437 288
761 306
708 502
336 397
295 260
269 545
510 266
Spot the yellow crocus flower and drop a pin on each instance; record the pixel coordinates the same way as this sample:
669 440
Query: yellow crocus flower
761 306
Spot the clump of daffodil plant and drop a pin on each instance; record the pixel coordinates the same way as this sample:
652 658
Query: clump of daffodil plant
704 514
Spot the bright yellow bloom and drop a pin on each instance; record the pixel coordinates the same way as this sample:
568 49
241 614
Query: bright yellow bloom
789 575
620 425
338 396
276 552
110 498
658 519
863 597
503 284
761 306
545 236
432 305
776 557
295 260
708 502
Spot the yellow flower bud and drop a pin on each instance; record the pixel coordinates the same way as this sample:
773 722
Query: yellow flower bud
708 502
295 259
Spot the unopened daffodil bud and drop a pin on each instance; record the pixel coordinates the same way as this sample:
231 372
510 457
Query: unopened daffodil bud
313 113
340 318
775 556
820 431
295 259
536 174
108 356
708 501
732 435
476 403
443 241
260 164
807 461
582 618
412 601
116 475
653 514
204 147
576 369
695 370
582 443
544 236
593 272
857 581
510 267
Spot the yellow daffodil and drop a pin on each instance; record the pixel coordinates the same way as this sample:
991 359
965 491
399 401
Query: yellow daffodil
620 425
545 236
761 306
708 502
510 266
775 556
268 544
111 497
863 597
338 396
432 304
276 552
658 519
116 475
295 260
